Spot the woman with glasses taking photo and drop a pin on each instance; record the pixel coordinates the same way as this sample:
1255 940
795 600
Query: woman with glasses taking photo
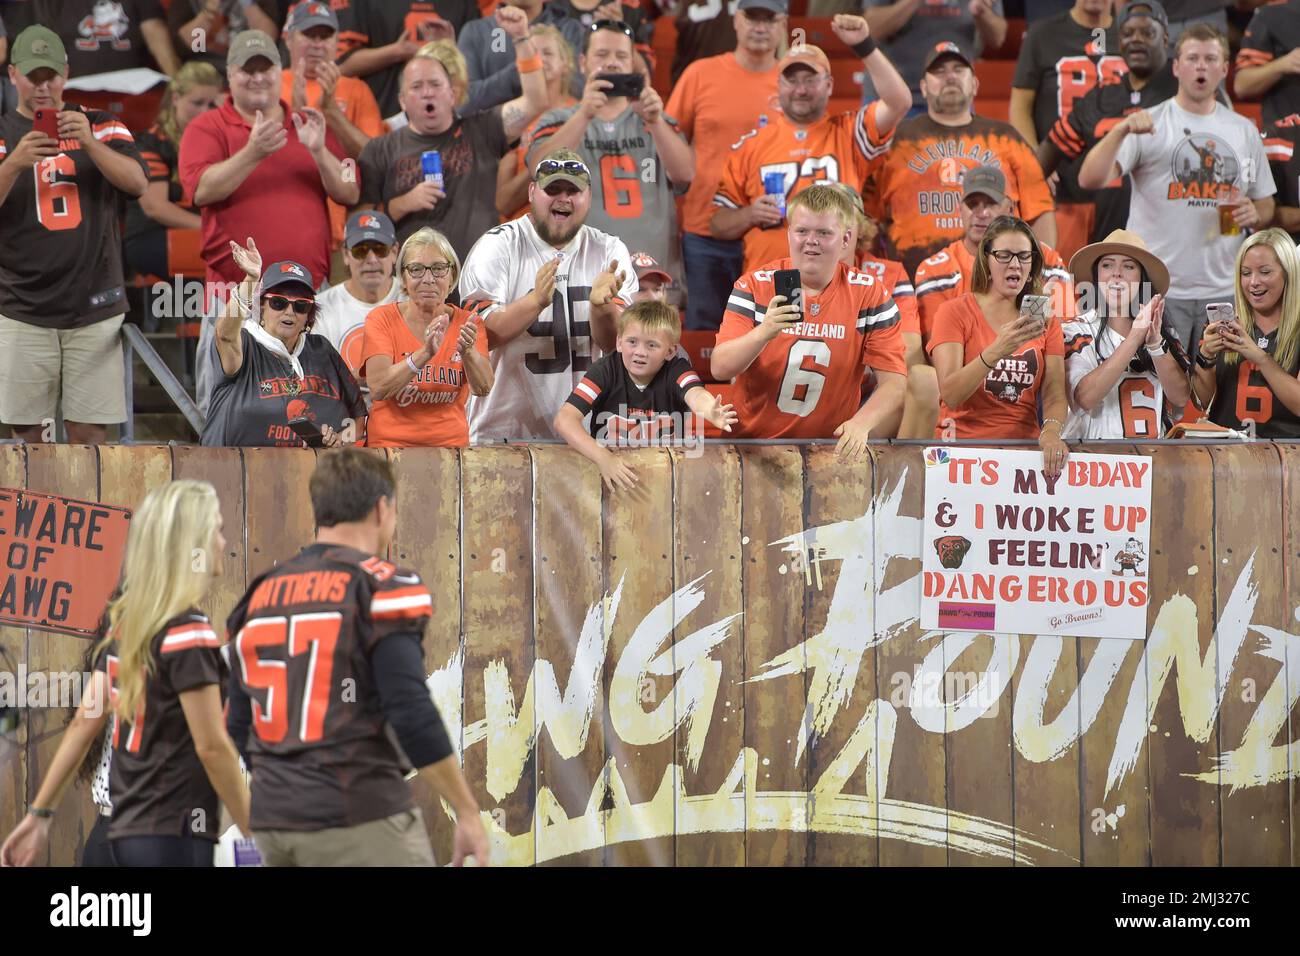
995 354
421 356
276 382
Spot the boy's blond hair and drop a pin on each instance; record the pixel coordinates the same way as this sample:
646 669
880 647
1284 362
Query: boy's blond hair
822 198
653 316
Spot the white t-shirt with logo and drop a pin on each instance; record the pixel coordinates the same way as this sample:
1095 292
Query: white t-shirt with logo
1180 171
342 320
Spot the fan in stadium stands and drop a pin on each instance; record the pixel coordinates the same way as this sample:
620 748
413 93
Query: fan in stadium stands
799 366
559 66
716 102
644 393
995 362
652 281
1247 369
219 22
329 785
549 288
378 37
631 12
916 191
1199 178
947 274
422 357
805 144
469 147
1126 374
62 296
192 92
1268 63
1282 144
909 29
370 244
269 370
103 37
1062 58
641 159
256 168
493 76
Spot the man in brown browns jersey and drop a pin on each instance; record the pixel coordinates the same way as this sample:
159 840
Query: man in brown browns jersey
326 661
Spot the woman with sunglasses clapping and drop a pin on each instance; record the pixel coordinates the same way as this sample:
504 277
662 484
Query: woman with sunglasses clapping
276 382
422 357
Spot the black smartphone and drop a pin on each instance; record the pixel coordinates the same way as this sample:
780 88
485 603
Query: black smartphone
624 84
46 121
308 431
789 283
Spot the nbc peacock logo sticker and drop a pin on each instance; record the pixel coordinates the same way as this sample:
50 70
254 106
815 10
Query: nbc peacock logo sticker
936 456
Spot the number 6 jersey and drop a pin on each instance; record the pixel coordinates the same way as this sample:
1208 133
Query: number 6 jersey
537 370
808 380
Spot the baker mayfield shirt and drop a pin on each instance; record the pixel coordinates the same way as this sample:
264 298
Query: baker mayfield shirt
254 406
1181 171
623 412
1005 404
157 782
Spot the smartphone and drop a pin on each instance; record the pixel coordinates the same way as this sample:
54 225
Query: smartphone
789 283
1219 312
1036 306
624 84
46 121
308 431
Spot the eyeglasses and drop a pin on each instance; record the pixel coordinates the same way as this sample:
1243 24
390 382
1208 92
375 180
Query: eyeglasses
1006 255
438 270
571 166
363 249
279 303
618 26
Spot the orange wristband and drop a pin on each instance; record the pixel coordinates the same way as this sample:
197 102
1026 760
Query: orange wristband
530 65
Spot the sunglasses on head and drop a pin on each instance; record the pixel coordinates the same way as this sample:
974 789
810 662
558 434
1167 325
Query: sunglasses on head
363 249
571 166
618 26
280 302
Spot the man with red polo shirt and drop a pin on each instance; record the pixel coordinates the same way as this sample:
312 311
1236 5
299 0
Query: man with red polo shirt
225 171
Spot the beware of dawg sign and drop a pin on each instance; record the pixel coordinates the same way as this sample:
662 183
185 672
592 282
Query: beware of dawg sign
59 560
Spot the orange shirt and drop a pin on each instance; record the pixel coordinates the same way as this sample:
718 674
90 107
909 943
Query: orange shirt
946 275
839 148
716 102
1005 405
354 98
808 380
896 280
430 410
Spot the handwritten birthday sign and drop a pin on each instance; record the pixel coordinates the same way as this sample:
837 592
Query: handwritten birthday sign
1009 550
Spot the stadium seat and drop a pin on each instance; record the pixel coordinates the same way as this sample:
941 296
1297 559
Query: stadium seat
994 107
817 31
664 44
137 112
724 392
698 347
995 77
1252 111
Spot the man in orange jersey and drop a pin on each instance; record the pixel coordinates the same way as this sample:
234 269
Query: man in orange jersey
946 274
799 367
917 188
806 145
716 101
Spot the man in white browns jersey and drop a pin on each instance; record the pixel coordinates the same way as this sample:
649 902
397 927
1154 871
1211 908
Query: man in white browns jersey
555 288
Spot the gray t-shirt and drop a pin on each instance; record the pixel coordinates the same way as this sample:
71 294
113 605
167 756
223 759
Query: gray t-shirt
641 206
933 21
1180 171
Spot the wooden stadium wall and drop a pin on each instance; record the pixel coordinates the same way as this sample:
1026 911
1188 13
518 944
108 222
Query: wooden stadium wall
728 668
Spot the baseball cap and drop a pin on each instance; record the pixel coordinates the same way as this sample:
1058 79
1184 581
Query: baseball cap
249 45
985 180
779 7
563 165
310 14
646 265
805 54
942 49
369 226
1144 8
38 47
286 273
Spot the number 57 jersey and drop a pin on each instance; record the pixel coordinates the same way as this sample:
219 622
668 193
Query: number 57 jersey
537 370
808 380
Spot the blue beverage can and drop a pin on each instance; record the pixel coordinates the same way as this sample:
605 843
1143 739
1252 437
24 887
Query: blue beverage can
774 185
431 163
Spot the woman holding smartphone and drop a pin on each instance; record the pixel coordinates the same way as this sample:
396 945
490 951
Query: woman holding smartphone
995 350
1246 367
1124 370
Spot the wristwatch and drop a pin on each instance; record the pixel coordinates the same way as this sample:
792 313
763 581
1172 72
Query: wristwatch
40 812
1202 361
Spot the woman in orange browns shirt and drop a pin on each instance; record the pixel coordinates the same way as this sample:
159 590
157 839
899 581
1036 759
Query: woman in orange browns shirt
422 356
993 364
